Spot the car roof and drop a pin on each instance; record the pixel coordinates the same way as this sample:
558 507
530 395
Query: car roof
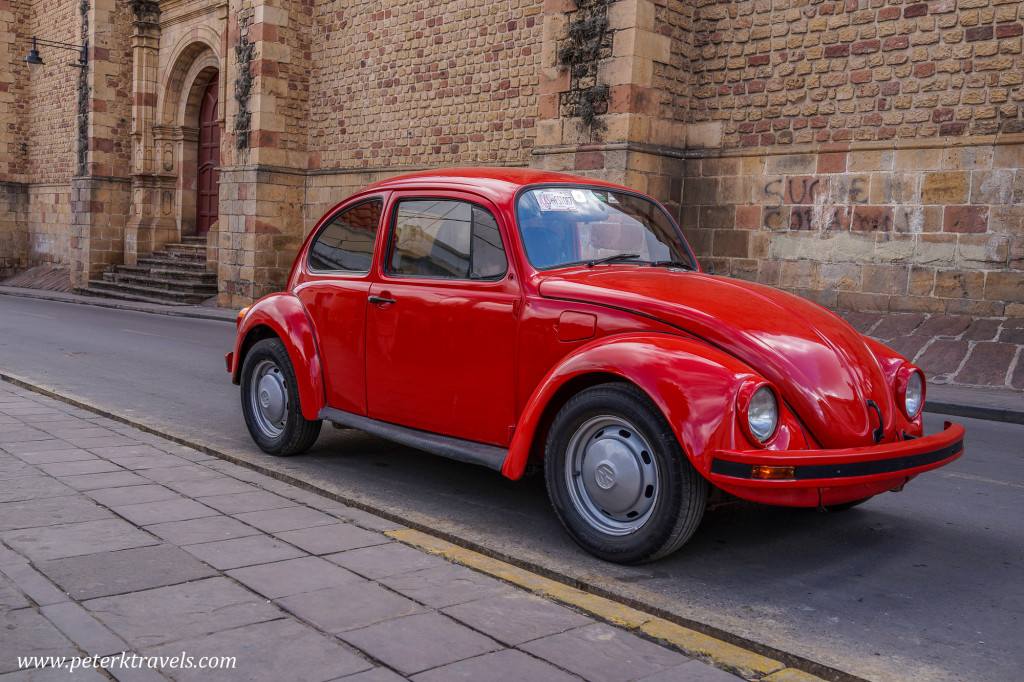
498 184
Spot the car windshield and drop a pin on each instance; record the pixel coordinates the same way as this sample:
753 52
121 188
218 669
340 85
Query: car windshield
567 225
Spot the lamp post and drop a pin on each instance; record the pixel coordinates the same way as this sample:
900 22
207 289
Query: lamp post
35 62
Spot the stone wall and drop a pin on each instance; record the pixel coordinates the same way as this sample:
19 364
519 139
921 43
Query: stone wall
864 153
870 154
935 228
13 236
48 223
424 84
37 137
48 101
793 71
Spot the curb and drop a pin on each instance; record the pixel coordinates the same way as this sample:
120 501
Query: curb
715 651
992 414
197 312
718 653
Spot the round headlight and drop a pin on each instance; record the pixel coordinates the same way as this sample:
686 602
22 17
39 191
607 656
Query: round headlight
913 397
763 414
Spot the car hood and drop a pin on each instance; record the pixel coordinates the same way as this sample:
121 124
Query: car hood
822 367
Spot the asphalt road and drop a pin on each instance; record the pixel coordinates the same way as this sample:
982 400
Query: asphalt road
927 584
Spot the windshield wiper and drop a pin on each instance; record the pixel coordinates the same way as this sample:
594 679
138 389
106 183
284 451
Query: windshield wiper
670 264
609 259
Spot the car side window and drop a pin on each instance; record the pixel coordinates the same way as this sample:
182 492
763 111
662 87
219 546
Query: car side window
446 238
346 243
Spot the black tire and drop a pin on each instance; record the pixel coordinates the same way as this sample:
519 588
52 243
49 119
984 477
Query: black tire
270 401
618 479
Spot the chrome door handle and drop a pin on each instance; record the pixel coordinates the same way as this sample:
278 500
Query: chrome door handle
378 300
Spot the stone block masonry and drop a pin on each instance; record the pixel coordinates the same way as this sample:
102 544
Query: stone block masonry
864 153
794 72
424 84
930 228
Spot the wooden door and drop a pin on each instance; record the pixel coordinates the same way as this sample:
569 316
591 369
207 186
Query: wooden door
209 159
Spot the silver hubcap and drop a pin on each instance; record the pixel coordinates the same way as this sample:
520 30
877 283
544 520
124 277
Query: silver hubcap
612 475
269 398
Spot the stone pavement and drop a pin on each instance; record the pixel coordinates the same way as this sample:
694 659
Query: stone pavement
115 541
953 349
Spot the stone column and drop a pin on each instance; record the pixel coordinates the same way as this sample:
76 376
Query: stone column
101 189
152 222
264 155
601 113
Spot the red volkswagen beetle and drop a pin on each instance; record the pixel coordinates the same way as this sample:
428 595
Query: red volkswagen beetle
501 315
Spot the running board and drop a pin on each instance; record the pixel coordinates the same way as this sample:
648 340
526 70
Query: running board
469 451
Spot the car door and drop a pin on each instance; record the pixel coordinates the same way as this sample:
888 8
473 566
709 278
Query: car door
334 295
441 321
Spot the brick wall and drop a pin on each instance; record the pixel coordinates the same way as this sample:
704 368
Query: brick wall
49 100
37 136
12 87
791 71
424 83
870 153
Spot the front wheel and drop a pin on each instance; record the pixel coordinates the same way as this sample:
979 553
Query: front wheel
270 401
617 477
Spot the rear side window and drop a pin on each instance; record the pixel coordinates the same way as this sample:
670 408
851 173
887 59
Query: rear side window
446 238
346 243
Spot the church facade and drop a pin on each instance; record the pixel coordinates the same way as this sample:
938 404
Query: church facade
868 154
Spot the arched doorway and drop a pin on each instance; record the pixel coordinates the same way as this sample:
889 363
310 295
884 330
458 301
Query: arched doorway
207 195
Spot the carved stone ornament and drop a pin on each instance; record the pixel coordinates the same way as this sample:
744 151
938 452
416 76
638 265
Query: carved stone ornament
145 11
168 158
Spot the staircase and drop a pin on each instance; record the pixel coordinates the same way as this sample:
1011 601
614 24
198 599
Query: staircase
175 275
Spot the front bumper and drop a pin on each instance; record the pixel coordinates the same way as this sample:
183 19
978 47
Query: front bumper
834 476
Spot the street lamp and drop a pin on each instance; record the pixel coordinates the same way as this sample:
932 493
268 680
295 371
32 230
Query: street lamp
34 62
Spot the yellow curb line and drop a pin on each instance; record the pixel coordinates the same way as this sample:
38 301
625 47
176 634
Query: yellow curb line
693 643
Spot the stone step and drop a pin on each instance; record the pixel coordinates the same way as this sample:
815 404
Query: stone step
182 251
189 273
123 296
175 274
205 288
133 292
163 259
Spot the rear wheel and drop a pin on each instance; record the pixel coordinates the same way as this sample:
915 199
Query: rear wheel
270 401
617 477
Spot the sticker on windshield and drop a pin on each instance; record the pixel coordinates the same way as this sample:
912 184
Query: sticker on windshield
556 200
579 195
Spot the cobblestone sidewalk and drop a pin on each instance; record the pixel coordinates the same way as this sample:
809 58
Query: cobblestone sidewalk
953 349
116 541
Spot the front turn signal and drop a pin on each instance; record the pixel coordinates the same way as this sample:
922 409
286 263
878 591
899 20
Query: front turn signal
768 472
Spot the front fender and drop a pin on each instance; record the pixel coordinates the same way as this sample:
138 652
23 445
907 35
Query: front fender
284 315
693 384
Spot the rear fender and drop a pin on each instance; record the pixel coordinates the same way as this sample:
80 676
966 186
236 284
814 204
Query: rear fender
693 384
283 316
